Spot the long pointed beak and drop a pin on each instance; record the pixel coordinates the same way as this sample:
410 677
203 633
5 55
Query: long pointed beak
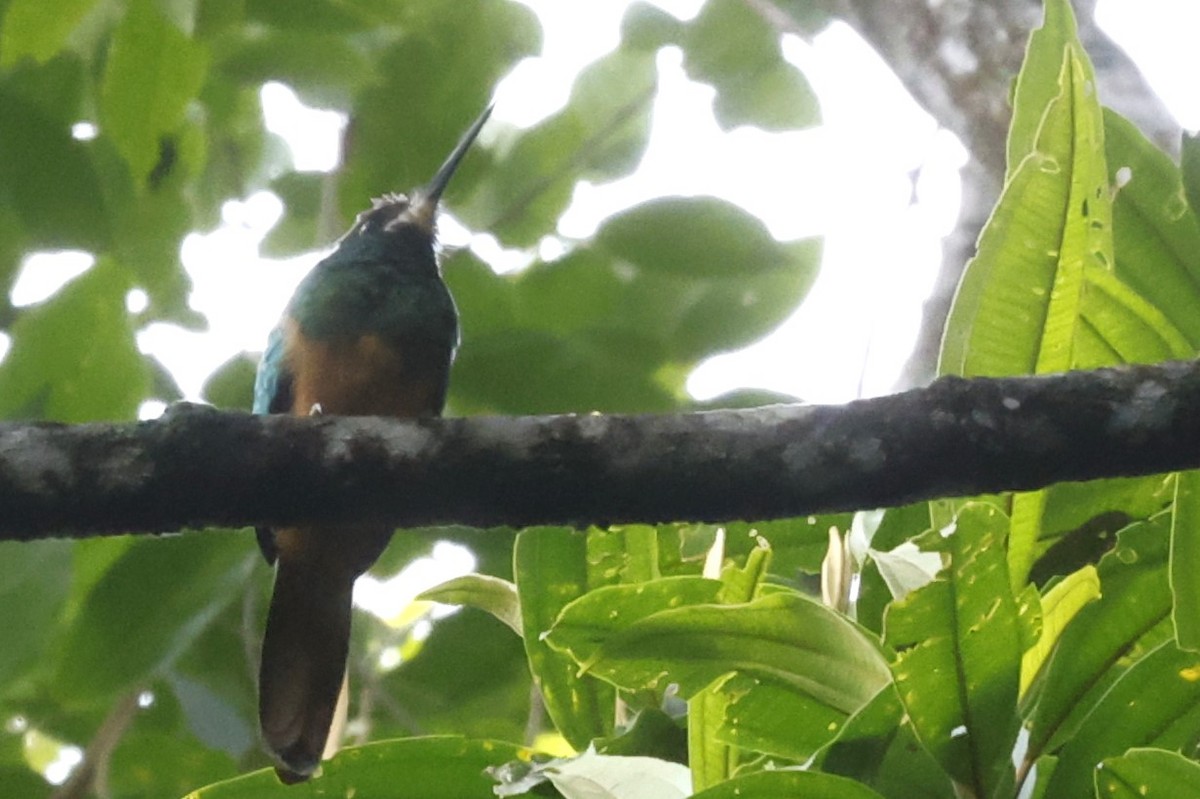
423 207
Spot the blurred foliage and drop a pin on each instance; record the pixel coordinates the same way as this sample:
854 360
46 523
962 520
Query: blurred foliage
1092 257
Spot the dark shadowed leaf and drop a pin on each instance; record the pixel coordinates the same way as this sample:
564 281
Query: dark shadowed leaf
147 609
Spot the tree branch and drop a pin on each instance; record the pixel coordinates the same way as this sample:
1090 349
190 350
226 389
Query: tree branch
197 466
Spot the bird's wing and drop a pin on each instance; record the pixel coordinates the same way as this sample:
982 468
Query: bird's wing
273 381
272 394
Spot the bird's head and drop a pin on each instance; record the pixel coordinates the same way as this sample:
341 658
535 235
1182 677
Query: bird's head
417 211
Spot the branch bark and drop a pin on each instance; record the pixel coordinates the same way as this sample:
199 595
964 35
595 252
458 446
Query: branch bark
199 467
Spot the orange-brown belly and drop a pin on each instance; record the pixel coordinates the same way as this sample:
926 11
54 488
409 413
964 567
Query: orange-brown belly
363 376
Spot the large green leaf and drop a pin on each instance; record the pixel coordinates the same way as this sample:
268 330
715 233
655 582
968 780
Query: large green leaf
146 610
1147 774
1059 605
1134 600
492 594
551 568
1019 309
153 71
47 178
647 635
434 767
1126 717
470 676
960 653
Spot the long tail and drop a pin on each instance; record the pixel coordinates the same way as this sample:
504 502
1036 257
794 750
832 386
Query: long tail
303 663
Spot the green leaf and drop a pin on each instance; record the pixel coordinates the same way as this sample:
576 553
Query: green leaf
622 634
648 27
736 49
48 178
694 236
1189 168
1134 600
1059 606
153 71
146 610
33 591
433 767
959 660
652 733
1185 560
787 784
1040 296
497 597
1038 83
469 677
1126 717
231 386
331 81
1147 774
551 569
877 747
33 29
74 358
1157 240
1019 307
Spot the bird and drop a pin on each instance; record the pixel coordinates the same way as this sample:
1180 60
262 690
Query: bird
371 330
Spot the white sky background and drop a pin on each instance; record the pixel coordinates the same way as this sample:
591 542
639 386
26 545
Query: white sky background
850 179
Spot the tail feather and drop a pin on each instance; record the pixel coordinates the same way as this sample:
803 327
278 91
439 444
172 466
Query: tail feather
303 663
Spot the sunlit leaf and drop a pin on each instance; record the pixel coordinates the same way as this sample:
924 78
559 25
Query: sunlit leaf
1059 606
959 660
496 596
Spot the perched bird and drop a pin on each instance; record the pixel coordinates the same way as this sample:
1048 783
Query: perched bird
370 331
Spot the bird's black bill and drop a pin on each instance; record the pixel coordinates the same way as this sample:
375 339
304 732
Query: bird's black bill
433 191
